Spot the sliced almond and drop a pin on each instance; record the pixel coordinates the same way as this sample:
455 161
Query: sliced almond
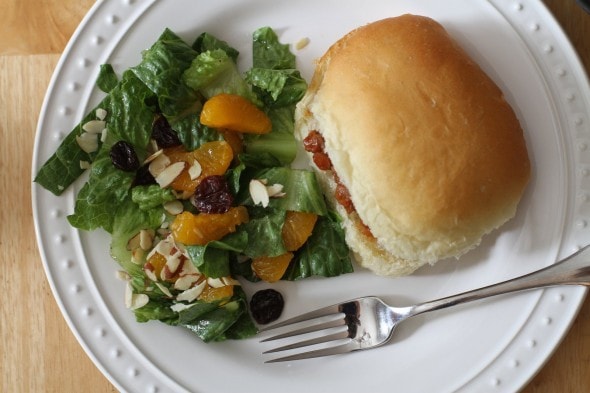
84 165
103 135
94 126
137 256
185 282
153 156
195 170
133 243
230 281
139 300
215 282
258 193
158 164
146 238
191 294
275 190
174 207
122 275
302 43
167 176
134 301
150 274
87 142
100 113
164 290
171 267
178 307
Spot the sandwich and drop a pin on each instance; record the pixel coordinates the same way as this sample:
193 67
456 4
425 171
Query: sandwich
415 146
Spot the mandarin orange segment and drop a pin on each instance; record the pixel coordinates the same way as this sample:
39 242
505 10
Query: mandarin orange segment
271 269
211 294
199 229
234 139
236 113
155 263
297 229
214 157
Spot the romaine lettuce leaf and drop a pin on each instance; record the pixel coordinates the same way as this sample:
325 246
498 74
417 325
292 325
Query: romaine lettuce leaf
278 87
214 72
207 41
106 189
301 188
107 78
268 52
161 70
324 254
128 220
151 196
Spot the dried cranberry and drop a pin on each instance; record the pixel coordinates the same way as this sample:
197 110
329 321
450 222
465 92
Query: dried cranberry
143 177
322 161
266 306
212 195
163 133
314 142
123 156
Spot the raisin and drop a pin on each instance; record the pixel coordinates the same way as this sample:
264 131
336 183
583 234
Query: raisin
123 156
163 133
266 306
314 142
213 195
143 177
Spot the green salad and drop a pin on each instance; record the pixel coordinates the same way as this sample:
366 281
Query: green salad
185 228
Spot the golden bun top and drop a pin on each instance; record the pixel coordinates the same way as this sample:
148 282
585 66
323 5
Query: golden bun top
430 151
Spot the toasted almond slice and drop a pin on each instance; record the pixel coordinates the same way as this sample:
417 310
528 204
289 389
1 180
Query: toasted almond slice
195 170
185 282
188 268
133 243
215 282
122 275
230 281
191 294
274 190
137 256
138 300
150 274
103 135
178 307
171 267
94 126
164 290
258 193
167 176
302 43
128 295
153 156
158 164
101 114
174 207
87 142
146 238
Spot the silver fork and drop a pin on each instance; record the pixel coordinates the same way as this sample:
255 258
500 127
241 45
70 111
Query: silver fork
368 322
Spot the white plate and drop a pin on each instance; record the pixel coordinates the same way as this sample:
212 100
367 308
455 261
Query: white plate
495 345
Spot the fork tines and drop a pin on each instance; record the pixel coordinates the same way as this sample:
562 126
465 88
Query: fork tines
326 319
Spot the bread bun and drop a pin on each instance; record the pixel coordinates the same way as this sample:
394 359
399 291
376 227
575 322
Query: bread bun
430 151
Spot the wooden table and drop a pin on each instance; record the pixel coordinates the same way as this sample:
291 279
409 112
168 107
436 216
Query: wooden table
38 353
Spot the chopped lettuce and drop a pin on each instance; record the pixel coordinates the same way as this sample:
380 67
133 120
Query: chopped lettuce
174 80
214 72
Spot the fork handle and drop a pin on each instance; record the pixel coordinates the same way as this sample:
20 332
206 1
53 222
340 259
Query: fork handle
573 270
